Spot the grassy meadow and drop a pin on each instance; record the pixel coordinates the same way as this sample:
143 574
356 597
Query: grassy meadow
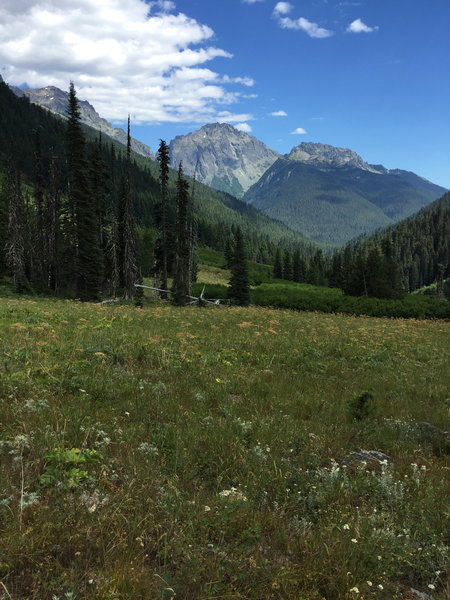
196 453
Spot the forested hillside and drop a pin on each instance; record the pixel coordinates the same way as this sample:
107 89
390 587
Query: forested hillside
333 203
25 125
403 257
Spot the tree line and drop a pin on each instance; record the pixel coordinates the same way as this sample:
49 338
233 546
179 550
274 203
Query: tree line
80 217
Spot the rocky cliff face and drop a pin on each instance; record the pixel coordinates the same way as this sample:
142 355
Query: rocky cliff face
223 157
55 100
323 155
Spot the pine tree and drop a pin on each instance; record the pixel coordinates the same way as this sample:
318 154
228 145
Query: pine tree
113 253
228 253
41 234
53 218
162 260
239 290
100 193
15 242
277 266
298 267
88 266
287 266
4 201
183 252
130 268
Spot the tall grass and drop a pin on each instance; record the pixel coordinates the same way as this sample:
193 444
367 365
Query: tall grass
197 454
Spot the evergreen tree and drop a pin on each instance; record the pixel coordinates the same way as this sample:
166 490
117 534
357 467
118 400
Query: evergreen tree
4 201
228 253
298 267
100 194
53 218
15 241
41 233
88 266
113 253
130 268
162 217
239 290
183 251
277 266
316 271
287 266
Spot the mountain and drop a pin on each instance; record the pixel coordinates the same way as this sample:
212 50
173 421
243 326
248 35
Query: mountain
332 195
55 100
216 213
223 157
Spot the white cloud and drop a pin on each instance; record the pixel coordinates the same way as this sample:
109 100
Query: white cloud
279 113
298 131
357 26
247 81
252 1
282 8
312 29
133 57
243 127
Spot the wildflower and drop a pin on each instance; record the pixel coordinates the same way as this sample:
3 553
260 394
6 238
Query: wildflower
369 583
354 540
232 495
431 586
206 508
346 526
355 590
380 587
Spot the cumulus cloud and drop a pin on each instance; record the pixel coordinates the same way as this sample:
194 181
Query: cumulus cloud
357 26
279 113
301 24
133 57
282 8
299 131
243 127
252 1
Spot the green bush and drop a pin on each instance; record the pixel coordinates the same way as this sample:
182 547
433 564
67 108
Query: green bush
332 300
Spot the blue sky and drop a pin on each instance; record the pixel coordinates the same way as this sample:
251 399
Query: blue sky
384 94
372 75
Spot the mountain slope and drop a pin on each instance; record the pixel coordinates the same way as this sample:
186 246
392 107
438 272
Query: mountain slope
55 100
331 195
420 246
216 212
222 157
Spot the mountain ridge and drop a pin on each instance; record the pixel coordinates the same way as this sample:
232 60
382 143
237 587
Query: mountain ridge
332 199
56 100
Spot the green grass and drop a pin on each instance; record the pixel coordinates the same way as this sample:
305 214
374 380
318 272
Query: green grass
197 453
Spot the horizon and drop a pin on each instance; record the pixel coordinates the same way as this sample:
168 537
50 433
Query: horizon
373 79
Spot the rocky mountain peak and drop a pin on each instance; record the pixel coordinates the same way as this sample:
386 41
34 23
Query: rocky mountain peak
223 157
323 155
56 101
